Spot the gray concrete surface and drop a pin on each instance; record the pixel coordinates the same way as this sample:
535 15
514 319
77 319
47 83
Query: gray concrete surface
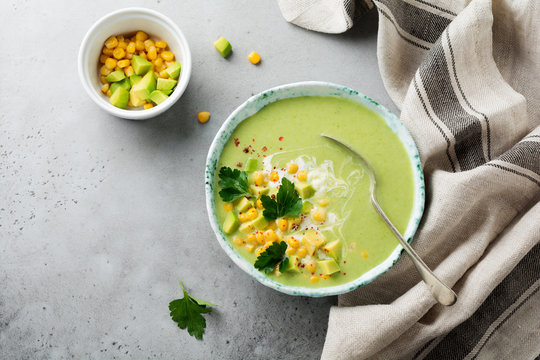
101 217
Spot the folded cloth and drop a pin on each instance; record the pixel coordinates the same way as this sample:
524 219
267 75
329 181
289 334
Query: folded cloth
466 76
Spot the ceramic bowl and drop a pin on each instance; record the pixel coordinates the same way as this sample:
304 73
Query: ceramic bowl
127 21
257 102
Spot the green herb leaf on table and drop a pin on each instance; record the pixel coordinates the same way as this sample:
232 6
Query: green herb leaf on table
234 184
287 202
186 312
268 259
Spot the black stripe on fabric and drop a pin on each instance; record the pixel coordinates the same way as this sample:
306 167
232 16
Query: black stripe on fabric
503 321
436 125
515 172
466 128
423 348
461 340
399 33
525 154
418 22
488 132
436 7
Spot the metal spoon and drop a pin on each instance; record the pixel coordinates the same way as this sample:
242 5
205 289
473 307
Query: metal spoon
442 293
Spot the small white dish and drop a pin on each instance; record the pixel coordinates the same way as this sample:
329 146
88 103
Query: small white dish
127 21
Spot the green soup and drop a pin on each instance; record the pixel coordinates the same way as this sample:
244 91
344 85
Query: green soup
288 132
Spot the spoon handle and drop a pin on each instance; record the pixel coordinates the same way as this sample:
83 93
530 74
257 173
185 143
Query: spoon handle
442 293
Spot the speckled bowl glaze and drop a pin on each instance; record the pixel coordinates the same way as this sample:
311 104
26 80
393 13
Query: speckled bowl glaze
311 88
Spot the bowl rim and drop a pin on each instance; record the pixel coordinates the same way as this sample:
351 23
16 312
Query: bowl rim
257 102
182 82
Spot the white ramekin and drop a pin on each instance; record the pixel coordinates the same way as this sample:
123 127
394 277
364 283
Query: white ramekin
127 21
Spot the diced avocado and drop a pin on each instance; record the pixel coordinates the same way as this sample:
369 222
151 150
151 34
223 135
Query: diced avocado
140 65
166 92
158 97
243 205
133 79
166 84
294 261
333 249
294 223
247 227
305 190
115 76
328 266
260 222
141 91
174 70
306 207
251 165
312 240
120 98
231 222
223 46
258 191
126 84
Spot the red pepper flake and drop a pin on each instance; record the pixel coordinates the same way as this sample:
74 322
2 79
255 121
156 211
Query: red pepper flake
344 261
236 142
264 149
344 274
280 148
253 140
273 196
264 155
239 164
246 150
281 138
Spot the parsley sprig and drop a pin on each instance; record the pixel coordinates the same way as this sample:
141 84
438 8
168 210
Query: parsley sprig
234 184
274 255
187 313
287 202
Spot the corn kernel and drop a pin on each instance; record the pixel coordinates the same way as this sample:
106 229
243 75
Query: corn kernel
104 70
252 214
274 176
283 224
203 116
314 279
167 56
243 217
259 204
259 251
129 56
319 215
107 51
122 44
123 63
105 88
267 245
258 178
111 42
158 62
119 53
141 35
110 63
161 44
130 104
272 225
290 251
324 202
301 175
148 106
109 93
139 45
325 277
302 252
152 52
227 206
250 247
294 243
270 236
130 48
143 55
292 168
129 71
260 237
148 43
116 68
102 79
252 238
103 58
237 240
311 267
163 74
364 254
254 58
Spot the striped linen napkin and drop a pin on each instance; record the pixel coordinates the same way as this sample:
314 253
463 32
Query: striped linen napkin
466 76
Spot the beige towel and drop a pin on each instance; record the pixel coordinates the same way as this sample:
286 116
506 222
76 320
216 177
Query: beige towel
466 76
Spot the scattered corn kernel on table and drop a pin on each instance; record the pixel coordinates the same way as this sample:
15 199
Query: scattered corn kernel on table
101 217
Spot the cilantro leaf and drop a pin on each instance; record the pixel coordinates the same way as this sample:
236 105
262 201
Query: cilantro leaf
234 184
287 202
268 259
187 313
